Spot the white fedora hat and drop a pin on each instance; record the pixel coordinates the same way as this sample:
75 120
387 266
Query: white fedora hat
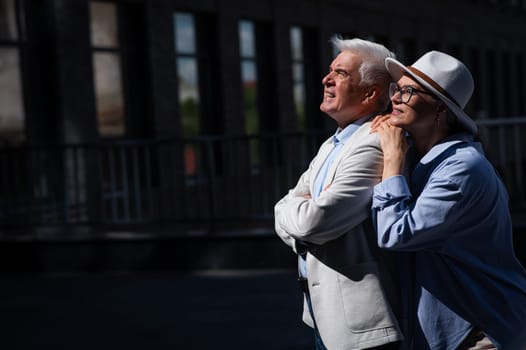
444 76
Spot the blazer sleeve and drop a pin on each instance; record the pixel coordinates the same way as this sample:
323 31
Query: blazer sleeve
343 205
300 190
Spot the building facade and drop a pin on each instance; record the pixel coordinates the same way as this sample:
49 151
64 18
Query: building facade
76 76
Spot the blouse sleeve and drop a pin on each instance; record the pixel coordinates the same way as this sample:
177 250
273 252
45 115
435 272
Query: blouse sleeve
405 223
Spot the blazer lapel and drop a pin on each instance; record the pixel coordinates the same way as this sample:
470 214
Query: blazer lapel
347 147
323 153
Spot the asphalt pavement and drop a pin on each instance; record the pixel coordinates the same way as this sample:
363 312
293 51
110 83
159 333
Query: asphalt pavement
209 309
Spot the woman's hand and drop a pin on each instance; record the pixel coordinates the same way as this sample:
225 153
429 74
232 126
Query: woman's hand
380 118
394 146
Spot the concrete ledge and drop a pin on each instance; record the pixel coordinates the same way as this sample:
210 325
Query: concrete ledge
80 249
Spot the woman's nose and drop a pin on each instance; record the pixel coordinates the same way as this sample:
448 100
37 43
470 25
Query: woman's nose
396 97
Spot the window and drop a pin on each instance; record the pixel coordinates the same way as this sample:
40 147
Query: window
298 75
107 69
474 106
188 86
491 63
520 59
12 115
247 39
199 88
187 74
506 107
249 80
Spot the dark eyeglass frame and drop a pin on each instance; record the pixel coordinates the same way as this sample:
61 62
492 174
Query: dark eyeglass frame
406 92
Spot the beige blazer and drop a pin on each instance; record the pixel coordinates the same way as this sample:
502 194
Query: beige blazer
350 279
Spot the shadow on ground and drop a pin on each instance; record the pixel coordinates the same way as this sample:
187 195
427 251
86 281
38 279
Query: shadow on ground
250 309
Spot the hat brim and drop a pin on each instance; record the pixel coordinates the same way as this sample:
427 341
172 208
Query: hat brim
397 70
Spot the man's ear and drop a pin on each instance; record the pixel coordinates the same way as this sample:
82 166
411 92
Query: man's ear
370 94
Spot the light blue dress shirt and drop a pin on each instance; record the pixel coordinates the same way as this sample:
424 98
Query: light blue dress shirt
338 139
452 222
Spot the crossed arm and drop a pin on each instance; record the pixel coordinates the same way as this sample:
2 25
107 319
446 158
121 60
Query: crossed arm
344 204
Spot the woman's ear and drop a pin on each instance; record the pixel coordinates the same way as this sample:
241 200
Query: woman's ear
441 107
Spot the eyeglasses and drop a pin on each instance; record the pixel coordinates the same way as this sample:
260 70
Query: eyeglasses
405 92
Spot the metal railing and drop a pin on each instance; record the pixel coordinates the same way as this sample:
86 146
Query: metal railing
205 182
504 144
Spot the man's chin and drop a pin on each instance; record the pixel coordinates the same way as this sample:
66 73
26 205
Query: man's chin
326 109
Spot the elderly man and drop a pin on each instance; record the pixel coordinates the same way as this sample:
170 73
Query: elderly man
349 296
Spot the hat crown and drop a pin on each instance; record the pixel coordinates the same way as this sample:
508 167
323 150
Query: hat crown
443 75
449 73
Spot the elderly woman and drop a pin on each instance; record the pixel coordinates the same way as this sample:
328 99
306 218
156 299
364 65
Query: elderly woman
462 284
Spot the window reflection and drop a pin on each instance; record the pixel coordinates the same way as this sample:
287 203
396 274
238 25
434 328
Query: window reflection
8 20
296 42
188 96
11 111
110 109
107 69
519 61
298 67
188 87
12 115
247 39
249 80
103 25
184 33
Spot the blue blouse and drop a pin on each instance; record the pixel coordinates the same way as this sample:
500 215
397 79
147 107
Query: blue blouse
458 267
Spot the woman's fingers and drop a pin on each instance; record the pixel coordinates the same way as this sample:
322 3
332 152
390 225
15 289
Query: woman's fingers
392 141
379 119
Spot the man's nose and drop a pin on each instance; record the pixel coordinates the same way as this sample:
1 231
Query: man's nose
326 79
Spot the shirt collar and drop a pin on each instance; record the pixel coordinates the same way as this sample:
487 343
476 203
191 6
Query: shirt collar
342 135
439 148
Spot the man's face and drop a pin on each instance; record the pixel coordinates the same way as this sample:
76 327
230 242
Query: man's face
343 98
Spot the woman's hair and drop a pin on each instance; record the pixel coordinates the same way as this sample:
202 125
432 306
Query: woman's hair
372 69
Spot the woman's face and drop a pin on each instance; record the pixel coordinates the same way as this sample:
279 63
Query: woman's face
419 113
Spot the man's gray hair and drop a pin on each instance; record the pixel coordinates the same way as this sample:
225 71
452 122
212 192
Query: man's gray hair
372 70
